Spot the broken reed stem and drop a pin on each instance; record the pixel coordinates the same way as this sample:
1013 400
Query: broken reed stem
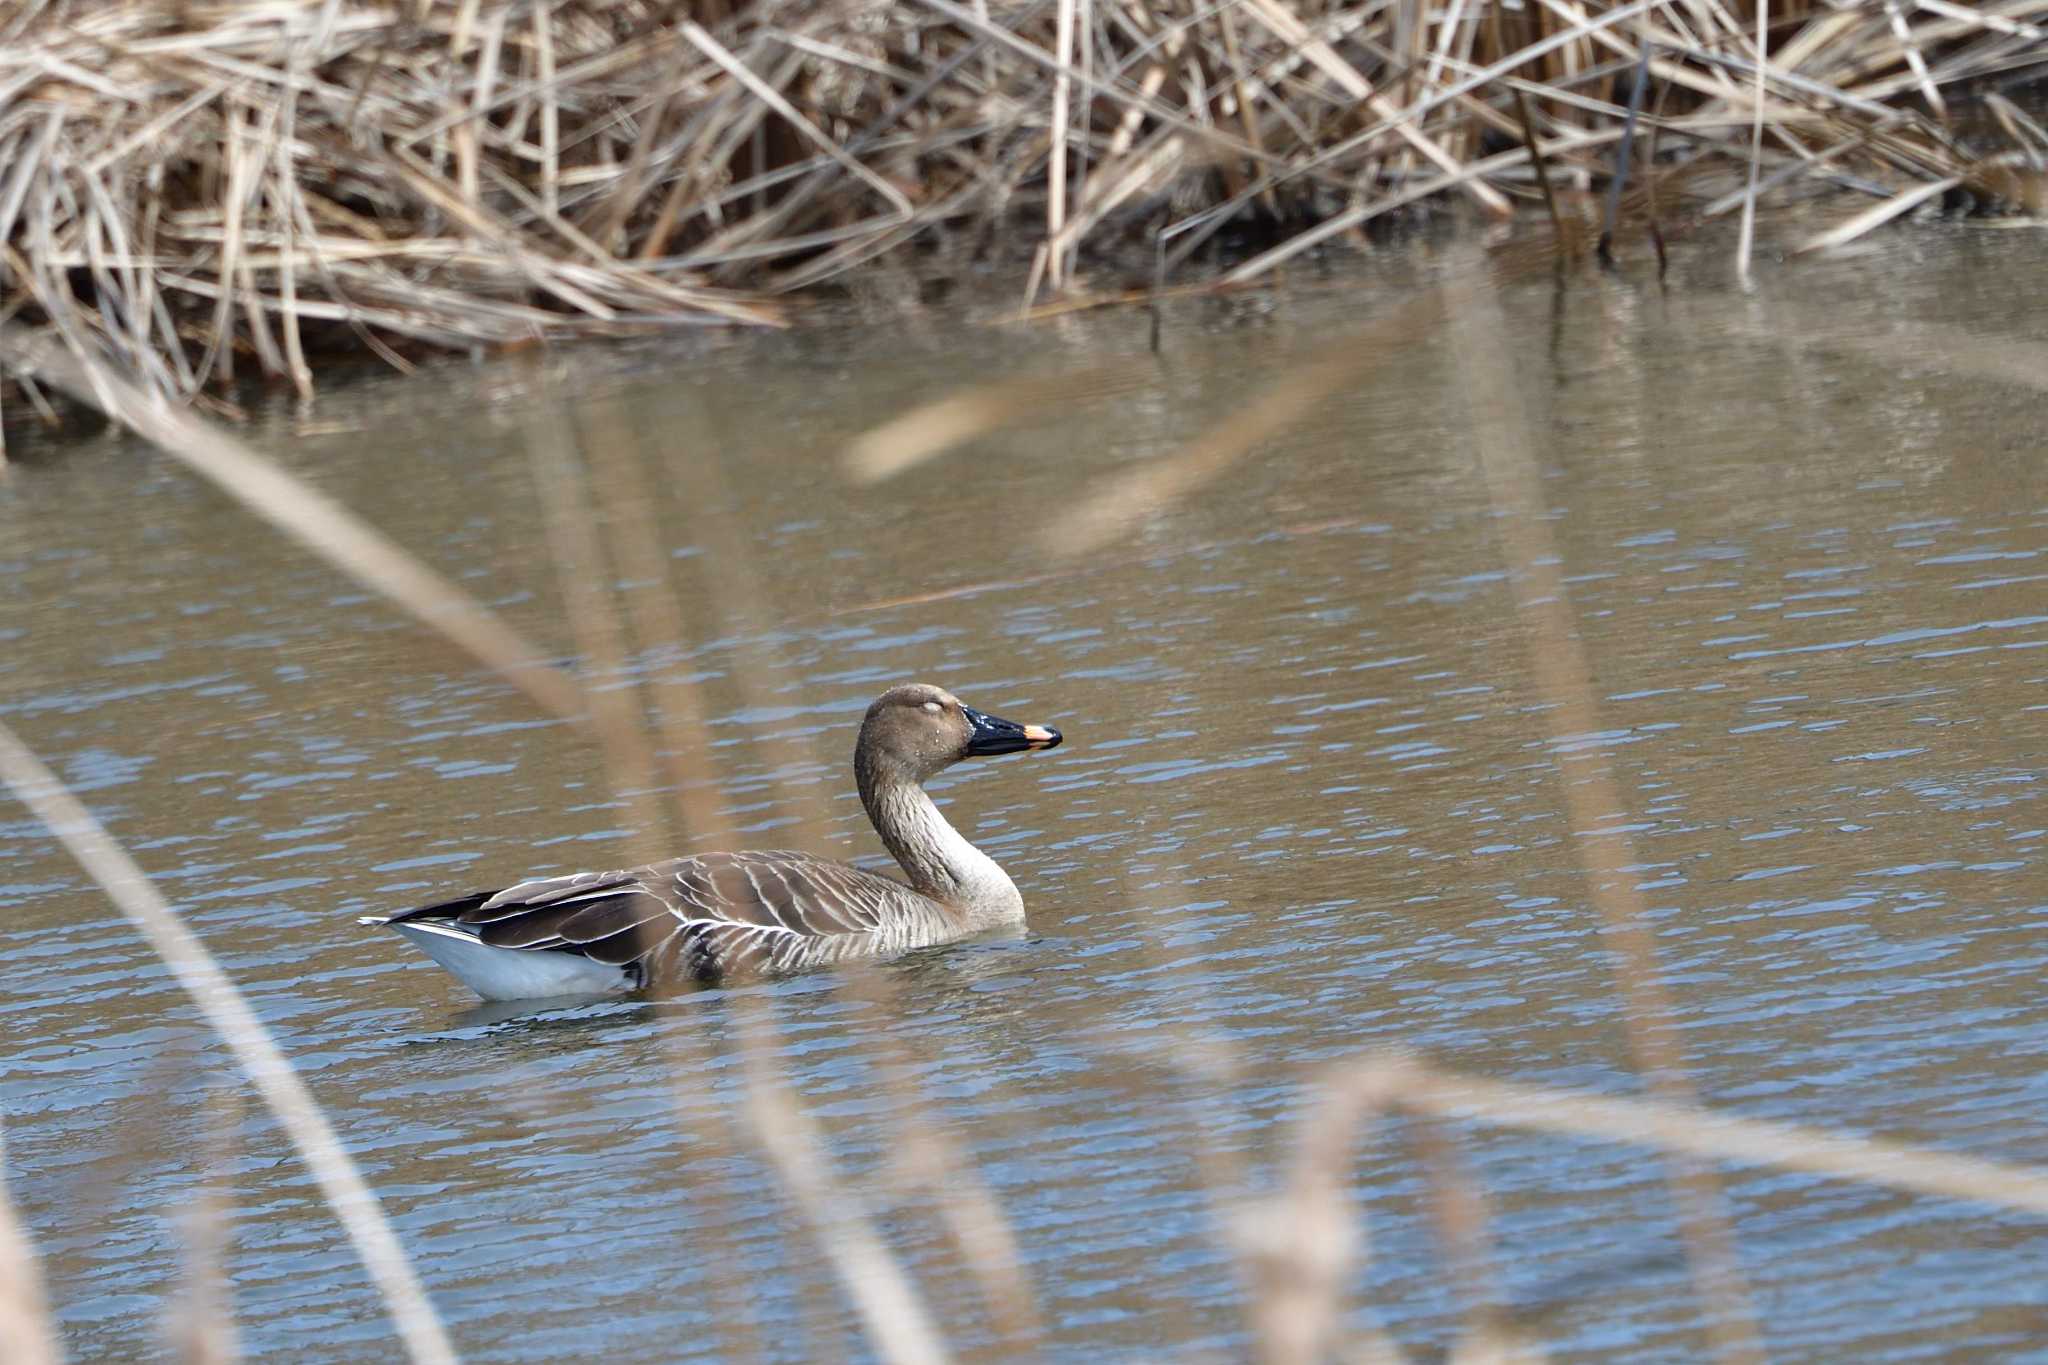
1597 814
1541 165
1537 161
1703 1135
1621 157
229 1015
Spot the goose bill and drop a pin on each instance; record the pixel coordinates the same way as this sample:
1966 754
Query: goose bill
994 735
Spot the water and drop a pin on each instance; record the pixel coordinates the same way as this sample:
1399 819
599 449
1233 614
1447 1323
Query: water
1306 810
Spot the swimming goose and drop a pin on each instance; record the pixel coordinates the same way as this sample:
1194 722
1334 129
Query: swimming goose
721 916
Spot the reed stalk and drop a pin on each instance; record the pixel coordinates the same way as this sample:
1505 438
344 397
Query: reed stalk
225 1010
27 1336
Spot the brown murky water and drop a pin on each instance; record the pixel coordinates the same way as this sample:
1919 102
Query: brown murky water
1306 808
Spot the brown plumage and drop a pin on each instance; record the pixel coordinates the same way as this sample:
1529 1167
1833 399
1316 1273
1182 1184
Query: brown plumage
724 916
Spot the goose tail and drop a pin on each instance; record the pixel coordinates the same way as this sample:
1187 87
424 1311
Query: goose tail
499 973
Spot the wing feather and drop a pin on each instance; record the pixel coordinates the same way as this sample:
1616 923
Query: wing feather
714 917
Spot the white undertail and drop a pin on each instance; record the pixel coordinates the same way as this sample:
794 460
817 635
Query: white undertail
506 973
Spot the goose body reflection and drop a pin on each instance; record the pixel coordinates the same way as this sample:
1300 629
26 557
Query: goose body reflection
719 917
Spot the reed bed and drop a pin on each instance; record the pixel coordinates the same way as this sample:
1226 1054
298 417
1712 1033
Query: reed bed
202 192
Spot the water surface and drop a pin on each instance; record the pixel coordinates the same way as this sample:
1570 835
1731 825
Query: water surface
1306 809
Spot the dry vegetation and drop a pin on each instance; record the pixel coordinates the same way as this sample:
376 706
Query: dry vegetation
201 190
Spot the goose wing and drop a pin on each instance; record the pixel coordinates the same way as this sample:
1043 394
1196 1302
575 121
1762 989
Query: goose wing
704 918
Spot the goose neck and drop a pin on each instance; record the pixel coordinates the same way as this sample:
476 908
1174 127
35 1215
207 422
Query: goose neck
938 860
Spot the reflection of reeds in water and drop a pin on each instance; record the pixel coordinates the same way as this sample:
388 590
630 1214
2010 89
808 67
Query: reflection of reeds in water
302 512
1598 818
1300 1251
193 190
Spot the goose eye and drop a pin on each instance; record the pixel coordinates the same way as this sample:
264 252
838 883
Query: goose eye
933 707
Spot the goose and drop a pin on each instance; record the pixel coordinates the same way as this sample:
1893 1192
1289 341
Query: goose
721 917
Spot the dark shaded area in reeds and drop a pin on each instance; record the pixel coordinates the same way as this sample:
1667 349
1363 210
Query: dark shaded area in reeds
205 190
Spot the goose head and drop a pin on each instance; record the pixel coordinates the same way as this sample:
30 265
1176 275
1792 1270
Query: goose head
914 731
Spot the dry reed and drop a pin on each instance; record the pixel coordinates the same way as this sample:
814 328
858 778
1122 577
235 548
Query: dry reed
194 191
27 1336
190 188
228 1014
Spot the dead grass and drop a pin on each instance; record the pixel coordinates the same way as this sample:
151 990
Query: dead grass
198 192
1599 817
